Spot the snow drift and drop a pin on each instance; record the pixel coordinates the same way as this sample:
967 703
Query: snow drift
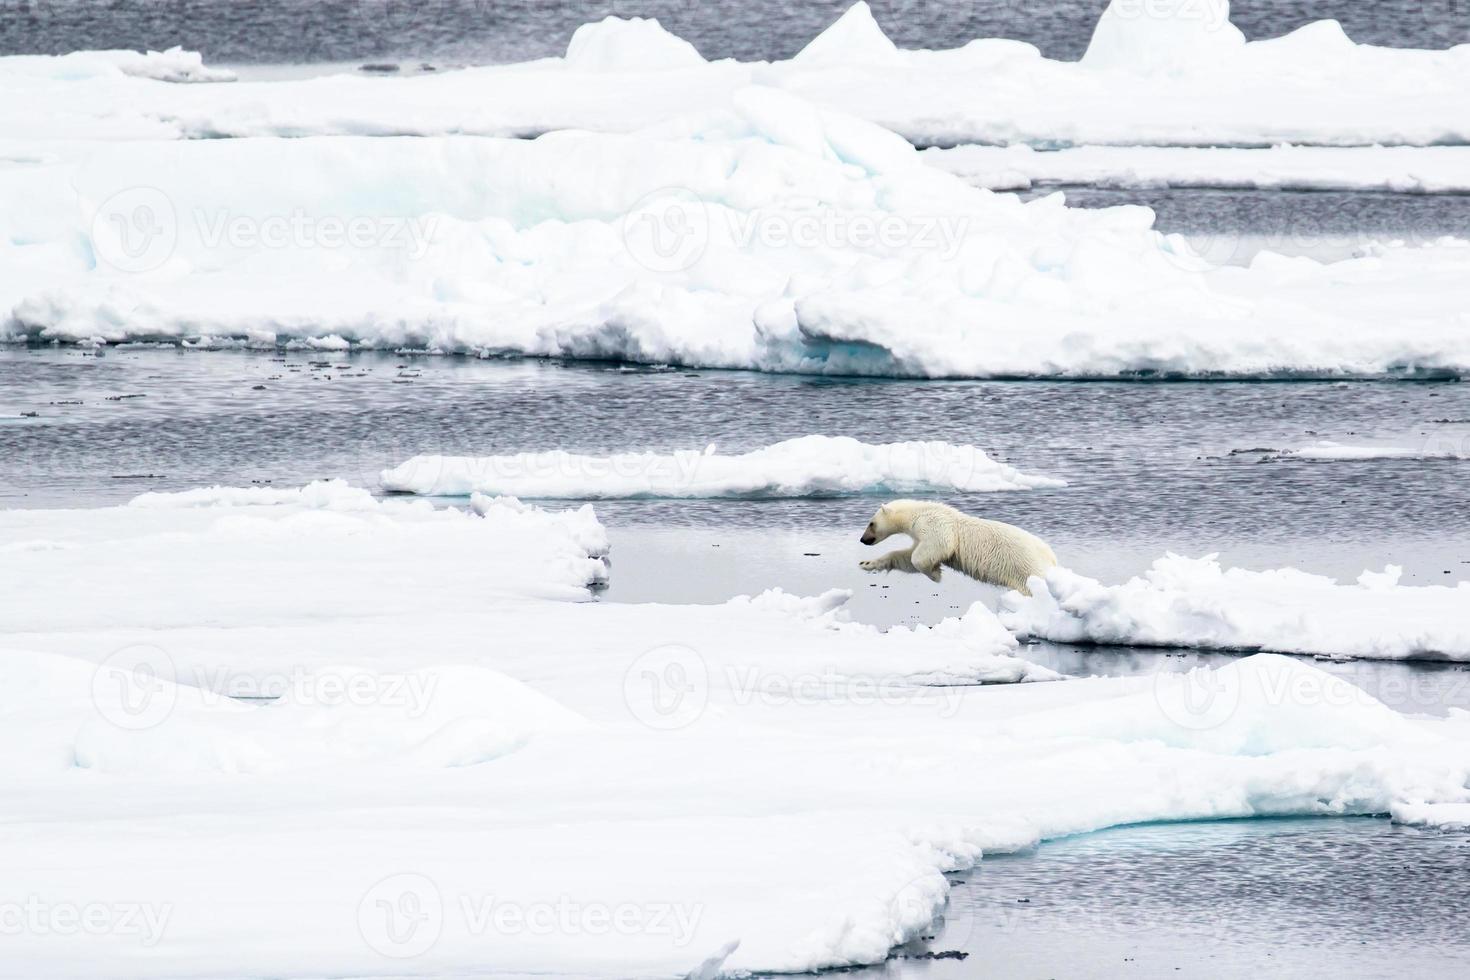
811 466
1195 603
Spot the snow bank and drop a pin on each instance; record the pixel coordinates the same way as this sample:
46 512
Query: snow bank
1162 72
1397 169
1195 603
811 466
769 235
459 743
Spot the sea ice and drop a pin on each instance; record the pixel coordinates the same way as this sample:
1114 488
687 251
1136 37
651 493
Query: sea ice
1395 169
802 467
1186 602
1162 72
463 748
767 235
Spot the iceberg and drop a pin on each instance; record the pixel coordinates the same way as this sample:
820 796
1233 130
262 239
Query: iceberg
1184 602
337 735
811 466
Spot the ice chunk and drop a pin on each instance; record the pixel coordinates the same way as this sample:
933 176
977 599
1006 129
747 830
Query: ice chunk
853 39
1195 603
616 44
1169 36
172 65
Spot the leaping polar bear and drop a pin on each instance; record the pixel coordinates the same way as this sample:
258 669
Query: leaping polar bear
990 551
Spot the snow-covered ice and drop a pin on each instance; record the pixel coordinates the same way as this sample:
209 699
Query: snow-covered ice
1396 169
1193 602
727 215
768 234
804 467
1163 72
464 750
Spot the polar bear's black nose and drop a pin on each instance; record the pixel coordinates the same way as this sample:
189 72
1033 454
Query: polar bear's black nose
867 538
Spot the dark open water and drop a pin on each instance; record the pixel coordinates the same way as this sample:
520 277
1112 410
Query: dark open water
1231 900
480 31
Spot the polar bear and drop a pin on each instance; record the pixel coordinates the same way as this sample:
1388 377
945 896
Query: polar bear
1000 554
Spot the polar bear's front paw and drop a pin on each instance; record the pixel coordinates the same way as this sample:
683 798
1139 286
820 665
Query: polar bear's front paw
871 565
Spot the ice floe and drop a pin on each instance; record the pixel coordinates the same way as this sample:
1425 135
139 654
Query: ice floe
768 235
1164 72
758 785
809 466
1193 602
627 737
1397 169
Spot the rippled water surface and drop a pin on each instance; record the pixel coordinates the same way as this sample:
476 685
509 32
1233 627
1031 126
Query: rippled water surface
1353 898
1150 467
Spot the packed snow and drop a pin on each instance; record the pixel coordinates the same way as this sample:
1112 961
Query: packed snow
337 735
767 234
1162 72
1395 169
1193 602
810 466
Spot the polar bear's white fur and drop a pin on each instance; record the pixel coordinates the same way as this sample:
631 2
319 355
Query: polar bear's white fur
993 552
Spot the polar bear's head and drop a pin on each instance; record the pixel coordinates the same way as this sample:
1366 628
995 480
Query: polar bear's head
883 525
